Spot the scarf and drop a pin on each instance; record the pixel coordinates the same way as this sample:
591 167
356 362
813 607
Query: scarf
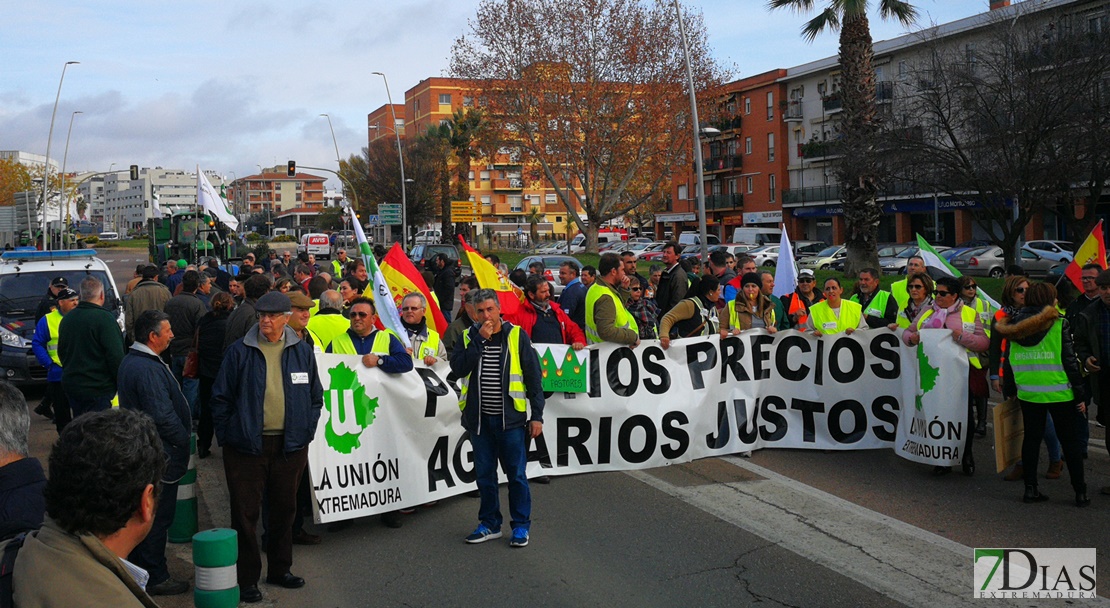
936 321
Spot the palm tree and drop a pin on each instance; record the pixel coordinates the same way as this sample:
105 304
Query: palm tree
857 170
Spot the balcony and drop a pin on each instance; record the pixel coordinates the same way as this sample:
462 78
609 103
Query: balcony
884 92
723 201
722 163
793 111
815 150
832 103
796 196
728 124
512 183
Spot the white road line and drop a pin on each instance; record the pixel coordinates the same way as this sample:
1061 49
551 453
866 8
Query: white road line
900 561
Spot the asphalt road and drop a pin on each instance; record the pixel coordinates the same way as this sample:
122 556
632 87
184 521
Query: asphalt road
782 528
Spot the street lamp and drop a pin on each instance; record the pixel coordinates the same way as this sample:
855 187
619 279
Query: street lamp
699 187
65 156
334 143
401 159
46 165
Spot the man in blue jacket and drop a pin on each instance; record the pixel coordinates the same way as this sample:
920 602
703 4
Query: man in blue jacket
45 346
501 376
146 384
265 405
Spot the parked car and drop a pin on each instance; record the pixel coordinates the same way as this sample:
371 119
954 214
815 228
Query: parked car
427 237
767 255
578 243
897 264
807 248
692 238
422 253
1061 251
733 248
989 262
551 265
638 248
824 258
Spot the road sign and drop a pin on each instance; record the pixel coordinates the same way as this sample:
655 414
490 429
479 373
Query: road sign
390 214
373 220
465 217
471 207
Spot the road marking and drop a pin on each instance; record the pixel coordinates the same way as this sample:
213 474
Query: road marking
903 562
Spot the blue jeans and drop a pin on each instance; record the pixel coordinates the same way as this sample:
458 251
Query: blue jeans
190 387
510 448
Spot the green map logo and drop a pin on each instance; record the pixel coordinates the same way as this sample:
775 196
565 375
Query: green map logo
567 376
351 411
928 374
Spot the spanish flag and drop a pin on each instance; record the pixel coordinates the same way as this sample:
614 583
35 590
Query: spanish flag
1092 251
509 295
403 279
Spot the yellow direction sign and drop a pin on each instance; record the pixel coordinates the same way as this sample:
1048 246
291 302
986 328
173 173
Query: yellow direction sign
465 217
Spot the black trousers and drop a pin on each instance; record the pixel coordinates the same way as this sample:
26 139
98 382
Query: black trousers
248 476
150 554
204 424
1064 417
62 413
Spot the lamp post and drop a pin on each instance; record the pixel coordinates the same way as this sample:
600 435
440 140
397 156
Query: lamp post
401 159
700 186
46 165
62 196
334 143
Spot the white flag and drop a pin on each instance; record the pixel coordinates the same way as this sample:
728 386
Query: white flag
379 288
156 207
209 200
786 276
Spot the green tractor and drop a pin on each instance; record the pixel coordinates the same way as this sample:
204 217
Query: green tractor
185 236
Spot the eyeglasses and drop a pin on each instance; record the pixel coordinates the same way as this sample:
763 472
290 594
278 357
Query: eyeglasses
971 286
637 289
271 315
1085 279
941 294
360 315
412 308
916 287
1019 290
806 280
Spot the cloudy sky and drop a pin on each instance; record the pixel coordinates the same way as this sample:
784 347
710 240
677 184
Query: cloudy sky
232 85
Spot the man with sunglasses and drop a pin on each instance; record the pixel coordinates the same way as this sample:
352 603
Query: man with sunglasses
798 303
427 346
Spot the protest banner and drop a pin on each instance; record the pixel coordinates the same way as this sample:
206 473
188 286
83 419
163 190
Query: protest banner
389 441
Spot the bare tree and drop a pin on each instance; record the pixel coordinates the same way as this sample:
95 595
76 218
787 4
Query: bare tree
1005 123
376 177
590 93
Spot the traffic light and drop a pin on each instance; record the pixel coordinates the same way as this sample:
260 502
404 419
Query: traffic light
292 169
134 172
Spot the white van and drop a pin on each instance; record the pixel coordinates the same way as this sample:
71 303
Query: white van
427 237
578 244
317 244
108 236
693 238
757 236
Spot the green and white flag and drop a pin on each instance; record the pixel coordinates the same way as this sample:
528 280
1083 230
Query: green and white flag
933 260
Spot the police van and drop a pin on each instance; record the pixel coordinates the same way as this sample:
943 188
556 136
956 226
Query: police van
25 278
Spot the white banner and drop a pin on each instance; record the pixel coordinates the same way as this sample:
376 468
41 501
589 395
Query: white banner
389 441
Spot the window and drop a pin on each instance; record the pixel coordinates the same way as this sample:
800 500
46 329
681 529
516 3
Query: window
771 187
486 200
550 199
747 145
516 203
484 175
770 146
444 99
399 125
468 101
683 192
747 105
749 185
471 176
902 69
770 105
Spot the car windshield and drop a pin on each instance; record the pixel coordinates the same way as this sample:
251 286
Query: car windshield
21 293
828 251
450 251
908 253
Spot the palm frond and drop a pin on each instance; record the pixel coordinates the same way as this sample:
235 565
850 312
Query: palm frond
798 6
901 10
826 20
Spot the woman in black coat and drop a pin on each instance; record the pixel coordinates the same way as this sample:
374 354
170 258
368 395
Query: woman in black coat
211 330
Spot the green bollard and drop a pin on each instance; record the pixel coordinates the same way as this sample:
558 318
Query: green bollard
184 524
215 552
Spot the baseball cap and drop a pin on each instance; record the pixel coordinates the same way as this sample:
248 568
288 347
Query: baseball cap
182 263
299 300
59 282
273 301
67 294
805 272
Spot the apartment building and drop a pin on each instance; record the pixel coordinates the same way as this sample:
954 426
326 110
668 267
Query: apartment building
275 191
128 204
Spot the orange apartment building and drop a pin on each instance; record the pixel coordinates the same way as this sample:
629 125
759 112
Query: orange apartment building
500 183
275 192
744 161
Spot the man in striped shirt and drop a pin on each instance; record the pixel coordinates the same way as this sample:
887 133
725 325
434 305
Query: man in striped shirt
501 378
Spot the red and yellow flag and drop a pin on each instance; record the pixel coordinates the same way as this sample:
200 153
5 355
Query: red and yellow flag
1092 251
403 279
509 295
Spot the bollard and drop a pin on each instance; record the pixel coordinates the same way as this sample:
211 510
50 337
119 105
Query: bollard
184 524
215 552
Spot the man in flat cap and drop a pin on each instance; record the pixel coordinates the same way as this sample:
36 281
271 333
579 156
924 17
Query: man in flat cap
265 405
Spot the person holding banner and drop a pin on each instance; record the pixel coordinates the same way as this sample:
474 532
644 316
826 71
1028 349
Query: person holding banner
804 297
920 288
949 312
696 316
782 320
644 311
379 348
426 343
543 320
607 319
750 309
900 290
880 309
835 315
501 379
1041 367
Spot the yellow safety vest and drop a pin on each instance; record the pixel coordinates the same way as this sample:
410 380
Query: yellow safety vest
985 314
901 294
327 327
516 373
624 319
826 321
343 345
968 317
1039 370
877 306
430 347
315 308
734 318
53 323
